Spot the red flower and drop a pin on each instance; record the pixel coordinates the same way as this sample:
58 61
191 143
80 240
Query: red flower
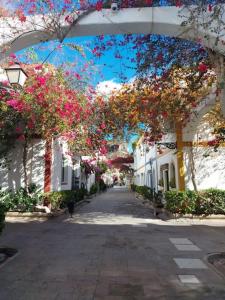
159 57
18 129
178 3
99 5
149 2
212 143
202 67
210 7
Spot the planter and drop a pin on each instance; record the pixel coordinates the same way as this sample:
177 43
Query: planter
195 217
15 214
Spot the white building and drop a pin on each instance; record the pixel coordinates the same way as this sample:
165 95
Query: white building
192 164
60 172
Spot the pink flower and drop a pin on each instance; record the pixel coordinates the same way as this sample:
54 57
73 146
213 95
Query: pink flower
30 89
88 141
13 103
103 126
38 67
69 19
77 76
12 55
21 137
30 124
18 130
103 150
41 80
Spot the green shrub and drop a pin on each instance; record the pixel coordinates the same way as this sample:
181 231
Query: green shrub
145 191
56 199
94 189
102 185
182 202
206 202
19 200
133 187
211 201
80 193
61 198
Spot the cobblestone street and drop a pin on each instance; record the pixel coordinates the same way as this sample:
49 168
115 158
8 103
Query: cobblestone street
113 249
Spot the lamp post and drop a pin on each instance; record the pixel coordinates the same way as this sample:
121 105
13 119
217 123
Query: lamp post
16 75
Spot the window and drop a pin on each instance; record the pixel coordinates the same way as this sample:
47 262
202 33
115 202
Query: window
172 176
64 178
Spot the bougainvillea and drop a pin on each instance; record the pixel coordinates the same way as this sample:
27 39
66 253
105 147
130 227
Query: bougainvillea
151 105
156 96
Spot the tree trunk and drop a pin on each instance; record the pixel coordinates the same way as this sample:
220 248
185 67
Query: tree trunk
25 148
48 166
192 166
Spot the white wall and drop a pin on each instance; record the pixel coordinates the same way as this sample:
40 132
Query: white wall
142 156
90 181
12 176
143 168
60 148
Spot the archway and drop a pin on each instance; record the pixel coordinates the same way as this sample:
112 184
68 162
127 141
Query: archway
146 20
157 20
163 20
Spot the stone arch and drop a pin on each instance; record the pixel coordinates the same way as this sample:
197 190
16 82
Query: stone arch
146 20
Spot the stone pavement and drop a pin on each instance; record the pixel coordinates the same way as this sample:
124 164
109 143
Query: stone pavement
113 249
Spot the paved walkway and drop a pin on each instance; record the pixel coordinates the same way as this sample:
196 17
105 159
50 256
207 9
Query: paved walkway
113 249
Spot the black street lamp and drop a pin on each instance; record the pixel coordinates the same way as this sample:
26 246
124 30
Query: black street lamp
16 75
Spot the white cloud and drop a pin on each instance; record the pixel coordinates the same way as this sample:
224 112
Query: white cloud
106 87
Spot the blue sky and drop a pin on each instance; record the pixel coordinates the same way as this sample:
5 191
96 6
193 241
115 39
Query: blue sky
105 68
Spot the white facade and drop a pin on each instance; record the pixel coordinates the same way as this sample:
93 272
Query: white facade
60 181
66 173
207 166
12 174
148 166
